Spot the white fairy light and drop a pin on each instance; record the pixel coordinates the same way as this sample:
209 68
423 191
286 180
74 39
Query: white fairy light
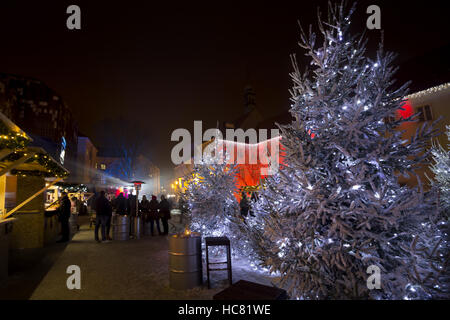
428 91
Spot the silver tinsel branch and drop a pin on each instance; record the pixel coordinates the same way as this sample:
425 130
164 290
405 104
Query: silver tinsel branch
441 170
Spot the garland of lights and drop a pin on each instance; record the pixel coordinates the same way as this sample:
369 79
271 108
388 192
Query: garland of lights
71 187
428 91
12 140
250 188
52 168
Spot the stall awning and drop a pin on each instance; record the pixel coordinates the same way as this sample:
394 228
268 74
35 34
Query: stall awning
32 161
11 137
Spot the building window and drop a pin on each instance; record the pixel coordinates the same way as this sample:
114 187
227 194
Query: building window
425 113
389 119
103 166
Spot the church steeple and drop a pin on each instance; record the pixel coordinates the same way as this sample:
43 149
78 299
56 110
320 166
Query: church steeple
249 99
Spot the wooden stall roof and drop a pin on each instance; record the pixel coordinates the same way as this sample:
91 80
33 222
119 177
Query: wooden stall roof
18 158
32 161
11 128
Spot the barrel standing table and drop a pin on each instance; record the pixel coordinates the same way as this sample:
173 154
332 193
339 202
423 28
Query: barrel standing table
120 227
185 261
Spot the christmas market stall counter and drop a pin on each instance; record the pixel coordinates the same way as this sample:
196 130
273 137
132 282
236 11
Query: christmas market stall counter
6 226
35 171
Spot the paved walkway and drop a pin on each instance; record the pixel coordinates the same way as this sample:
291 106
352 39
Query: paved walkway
134 269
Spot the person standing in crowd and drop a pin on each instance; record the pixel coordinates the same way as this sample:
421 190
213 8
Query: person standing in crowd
75 209
121 204
64 216
164 213
104 211
153 214
131 209
108 220
143 209
131 205
91 201
244 205
143 206
91 208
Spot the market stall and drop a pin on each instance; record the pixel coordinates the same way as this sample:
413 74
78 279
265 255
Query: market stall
33 176
27 172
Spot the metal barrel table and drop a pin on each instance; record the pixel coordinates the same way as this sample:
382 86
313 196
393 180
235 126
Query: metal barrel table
120 227
185 261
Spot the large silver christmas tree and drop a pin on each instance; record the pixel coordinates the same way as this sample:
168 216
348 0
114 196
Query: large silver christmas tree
336 207
441 170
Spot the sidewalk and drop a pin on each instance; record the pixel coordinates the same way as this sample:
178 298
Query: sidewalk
134 269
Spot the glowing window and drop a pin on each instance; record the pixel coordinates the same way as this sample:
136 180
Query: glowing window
425 113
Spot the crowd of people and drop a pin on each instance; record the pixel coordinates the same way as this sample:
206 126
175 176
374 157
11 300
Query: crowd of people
151 212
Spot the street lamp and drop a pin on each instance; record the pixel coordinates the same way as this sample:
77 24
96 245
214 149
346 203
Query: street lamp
137 185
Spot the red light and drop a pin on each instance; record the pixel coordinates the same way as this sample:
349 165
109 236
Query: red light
406 112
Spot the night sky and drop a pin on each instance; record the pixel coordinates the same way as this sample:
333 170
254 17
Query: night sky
152 68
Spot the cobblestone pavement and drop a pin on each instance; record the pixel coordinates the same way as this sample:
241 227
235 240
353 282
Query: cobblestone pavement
134 269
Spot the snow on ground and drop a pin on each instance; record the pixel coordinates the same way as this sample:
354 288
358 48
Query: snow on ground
134 269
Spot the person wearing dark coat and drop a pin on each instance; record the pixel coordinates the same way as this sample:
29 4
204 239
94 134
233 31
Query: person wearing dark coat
153 214
131 210
143 206
121 204
164 213
64 216
131 205
104 212
244 204
91 201
143 210
108 220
